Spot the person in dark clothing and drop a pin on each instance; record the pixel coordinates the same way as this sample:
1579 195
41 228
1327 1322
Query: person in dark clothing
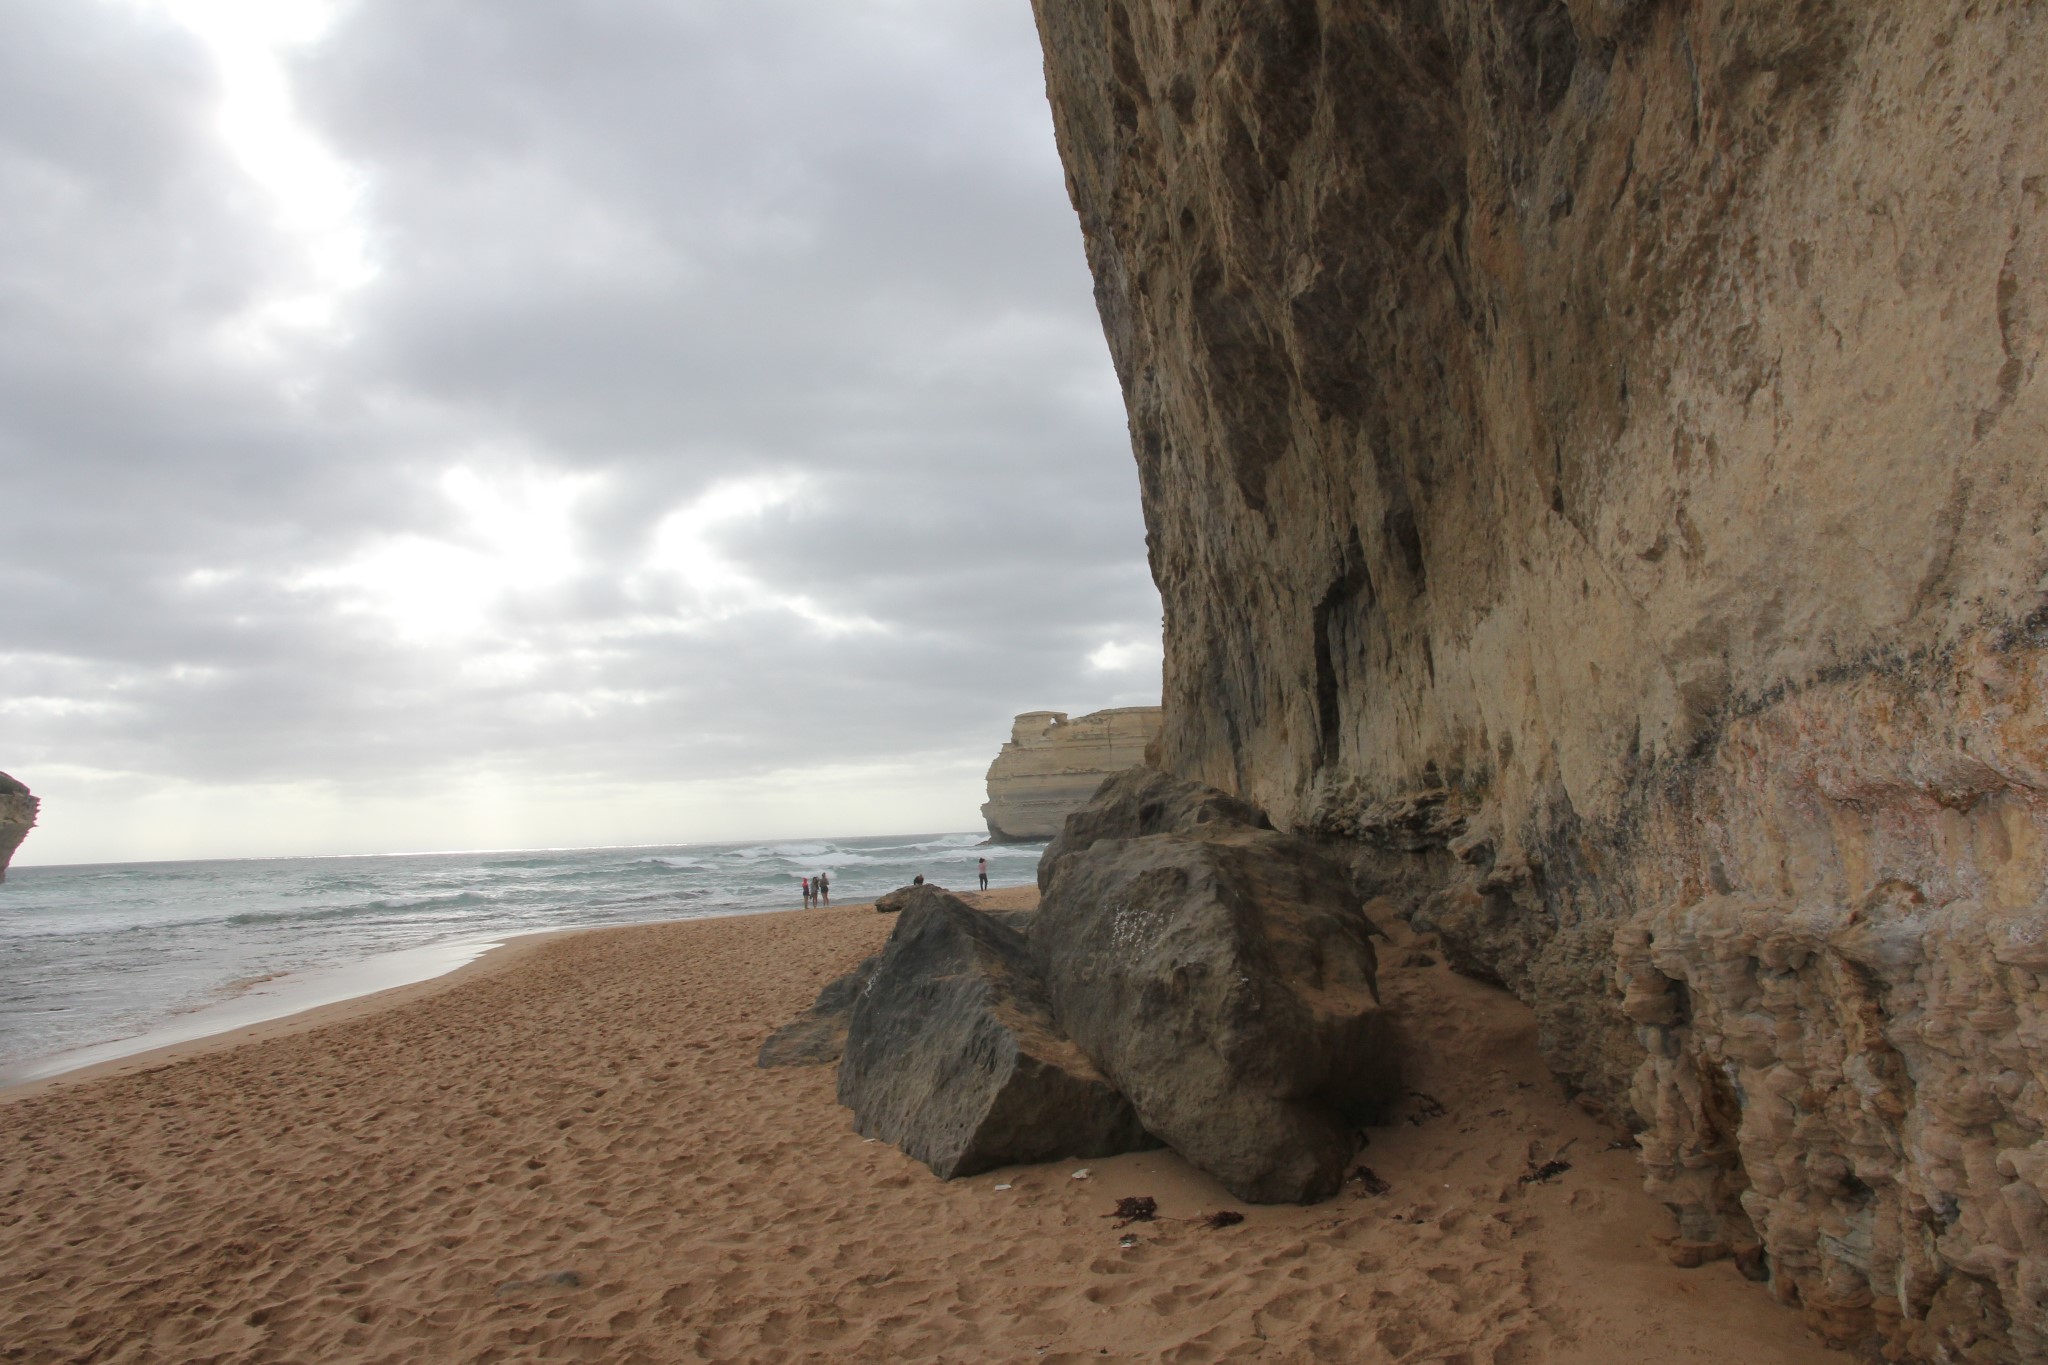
821 886
984 874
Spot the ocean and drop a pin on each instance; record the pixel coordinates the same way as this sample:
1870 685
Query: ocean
102 960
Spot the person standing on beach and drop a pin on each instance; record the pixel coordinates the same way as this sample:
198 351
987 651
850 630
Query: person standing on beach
807 893
984 874
823 887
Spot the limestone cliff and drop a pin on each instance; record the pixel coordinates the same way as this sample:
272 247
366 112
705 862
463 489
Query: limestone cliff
1593 457
17 816
1052 765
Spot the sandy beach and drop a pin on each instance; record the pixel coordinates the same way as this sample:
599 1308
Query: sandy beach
565 1152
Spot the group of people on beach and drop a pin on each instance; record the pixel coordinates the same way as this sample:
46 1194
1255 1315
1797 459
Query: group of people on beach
818 889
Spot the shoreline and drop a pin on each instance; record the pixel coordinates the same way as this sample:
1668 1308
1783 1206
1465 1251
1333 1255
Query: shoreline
104 961
29 1076
494 956
498 954
564 1150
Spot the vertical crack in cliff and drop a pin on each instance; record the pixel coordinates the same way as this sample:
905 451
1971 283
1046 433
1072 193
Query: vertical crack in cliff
1340 632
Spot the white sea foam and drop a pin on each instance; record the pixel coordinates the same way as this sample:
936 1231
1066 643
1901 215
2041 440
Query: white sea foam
951 841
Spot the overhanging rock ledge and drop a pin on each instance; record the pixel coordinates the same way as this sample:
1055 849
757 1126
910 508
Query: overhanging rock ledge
1592 455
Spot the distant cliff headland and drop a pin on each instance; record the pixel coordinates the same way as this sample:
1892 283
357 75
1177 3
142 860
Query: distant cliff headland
1052 765
18 809
1593 460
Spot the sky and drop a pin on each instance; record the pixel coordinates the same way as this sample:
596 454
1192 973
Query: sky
427 424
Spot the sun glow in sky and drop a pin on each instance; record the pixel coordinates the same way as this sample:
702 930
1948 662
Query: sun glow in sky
317 196
1123 656
511 533
430 425
708 583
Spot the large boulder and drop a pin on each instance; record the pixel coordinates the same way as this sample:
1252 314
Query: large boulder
952 1055
891 902
1222 978
818 1035
1140 801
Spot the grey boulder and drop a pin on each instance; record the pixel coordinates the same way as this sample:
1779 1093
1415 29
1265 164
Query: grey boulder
894 901
1222 978
1140 801
818 1035
952 1056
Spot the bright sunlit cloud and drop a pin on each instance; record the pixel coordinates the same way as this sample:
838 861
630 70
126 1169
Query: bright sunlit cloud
511 534
686 558
684 550
1124 656
316 194
315 306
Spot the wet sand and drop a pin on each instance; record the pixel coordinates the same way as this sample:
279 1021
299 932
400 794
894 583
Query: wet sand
296 1000
564 1152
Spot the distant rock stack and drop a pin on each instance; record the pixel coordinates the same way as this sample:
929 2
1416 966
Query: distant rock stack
17 817
1052 766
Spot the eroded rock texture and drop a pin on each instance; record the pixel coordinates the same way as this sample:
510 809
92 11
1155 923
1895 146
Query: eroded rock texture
1052 765
1141 801
952 1054
1222 976
17 817
1593 455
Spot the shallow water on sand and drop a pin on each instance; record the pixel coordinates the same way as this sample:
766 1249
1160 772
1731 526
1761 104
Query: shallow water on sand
95 953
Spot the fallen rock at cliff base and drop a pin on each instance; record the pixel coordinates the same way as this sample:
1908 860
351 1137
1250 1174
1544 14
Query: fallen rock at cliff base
818 1035
1222 978
1140 801
894 901
952 1055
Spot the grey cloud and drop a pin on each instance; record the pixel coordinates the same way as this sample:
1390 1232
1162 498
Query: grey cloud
661 244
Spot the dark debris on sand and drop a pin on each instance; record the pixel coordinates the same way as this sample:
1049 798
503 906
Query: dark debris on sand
1368 1181
1427 1107
1549 1170
1137 1208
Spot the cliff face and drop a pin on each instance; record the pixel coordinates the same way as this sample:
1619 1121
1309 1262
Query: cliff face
1594 466
17 816
1052 765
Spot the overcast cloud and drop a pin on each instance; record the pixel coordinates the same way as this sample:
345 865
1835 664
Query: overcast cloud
427 423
